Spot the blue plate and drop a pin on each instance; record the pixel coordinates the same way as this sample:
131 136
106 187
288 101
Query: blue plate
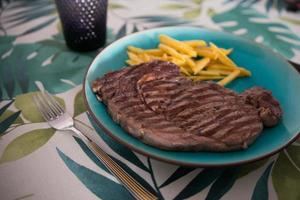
269 70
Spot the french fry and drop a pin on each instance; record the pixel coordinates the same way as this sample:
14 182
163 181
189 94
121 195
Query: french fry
210 52
154 52
195 43
145 57
229 78
154 57
178 62
201 64
183 70
244 72
205 52
179 46
209 73
214 64
135 50
226 51
170 51
222 57
134 57
131 62
219 71
165 57
219 66
190 63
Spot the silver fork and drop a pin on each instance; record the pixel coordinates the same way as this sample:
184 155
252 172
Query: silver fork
59 119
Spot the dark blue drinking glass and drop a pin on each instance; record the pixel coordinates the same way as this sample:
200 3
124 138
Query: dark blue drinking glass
83 23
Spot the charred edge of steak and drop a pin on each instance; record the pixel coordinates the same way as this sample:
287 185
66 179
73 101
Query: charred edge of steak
268 107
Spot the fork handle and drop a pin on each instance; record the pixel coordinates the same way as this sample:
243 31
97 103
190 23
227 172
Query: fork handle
136 189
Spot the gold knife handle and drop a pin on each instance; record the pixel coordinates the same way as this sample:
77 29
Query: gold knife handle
136 189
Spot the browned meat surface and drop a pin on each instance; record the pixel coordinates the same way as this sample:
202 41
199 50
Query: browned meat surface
268 107
155 103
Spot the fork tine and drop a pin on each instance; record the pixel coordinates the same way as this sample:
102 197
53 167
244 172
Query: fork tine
55 103
51 104
40 107
46 106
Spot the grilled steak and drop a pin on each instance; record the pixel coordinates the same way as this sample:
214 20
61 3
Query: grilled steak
155 103
268 107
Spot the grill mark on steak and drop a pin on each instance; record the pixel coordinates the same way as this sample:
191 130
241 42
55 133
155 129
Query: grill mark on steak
153 96
246 134
109 89
167 127
162 84
194 111
207 96
192 105
156 94
253 126
131 105
121 97
156 104
199 113
209 130
209 120
217 106
145 117
192 99
244 120
182 94
155 120
246 123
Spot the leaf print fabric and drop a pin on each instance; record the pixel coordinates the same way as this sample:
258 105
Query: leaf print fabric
249 23
48 62
26 144
33 55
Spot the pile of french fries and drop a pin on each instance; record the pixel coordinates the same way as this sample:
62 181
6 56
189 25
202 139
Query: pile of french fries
196 59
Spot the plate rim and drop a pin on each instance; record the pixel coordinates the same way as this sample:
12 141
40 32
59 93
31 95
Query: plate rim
172 161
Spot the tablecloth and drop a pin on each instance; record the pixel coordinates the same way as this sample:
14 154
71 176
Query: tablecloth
37 162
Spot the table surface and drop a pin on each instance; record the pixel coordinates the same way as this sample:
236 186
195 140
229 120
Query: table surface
38 163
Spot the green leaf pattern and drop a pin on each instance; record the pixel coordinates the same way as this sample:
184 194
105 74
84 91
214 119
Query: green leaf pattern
286 174
26 144
7 118
30 11
278 5
79 106
190 12
113 6
253 25
48 62
93 181
173 6
8 113
5 124
27 63
261 187
223 183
